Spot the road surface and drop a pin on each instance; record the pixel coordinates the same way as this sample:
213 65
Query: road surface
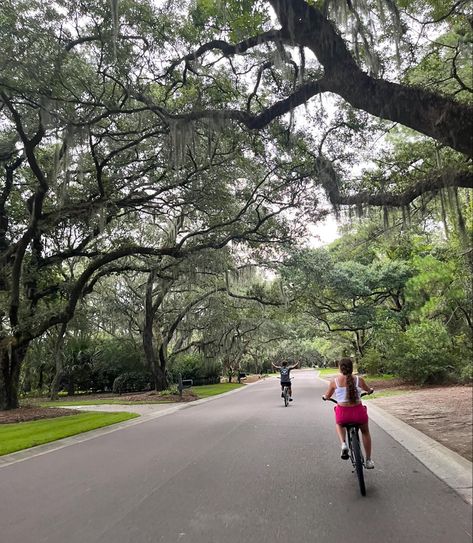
242 468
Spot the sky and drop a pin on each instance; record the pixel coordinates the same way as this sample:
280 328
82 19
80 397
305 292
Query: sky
324 232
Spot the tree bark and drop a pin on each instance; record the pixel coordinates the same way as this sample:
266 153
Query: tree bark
157 367
439 117
11 358
58 356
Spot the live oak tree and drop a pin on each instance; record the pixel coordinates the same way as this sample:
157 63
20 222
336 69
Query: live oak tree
112 114
364 54
344 296
83 164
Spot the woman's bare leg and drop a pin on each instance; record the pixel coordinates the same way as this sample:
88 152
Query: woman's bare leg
342 433
366 436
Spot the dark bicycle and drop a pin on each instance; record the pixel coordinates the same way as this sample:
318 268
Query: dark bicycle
354 448
285 394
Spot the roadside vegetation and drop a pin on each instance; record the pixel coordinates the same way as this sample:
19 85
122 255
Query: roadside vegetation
161 188
15 437
213 390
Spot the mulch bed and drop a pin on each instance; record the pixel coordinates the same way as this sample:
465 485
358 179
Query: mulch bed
29 413
187 396
443 413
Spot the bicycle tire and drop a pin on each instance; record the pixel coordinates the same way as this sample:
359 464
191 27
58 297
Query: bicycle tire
286 397
358 460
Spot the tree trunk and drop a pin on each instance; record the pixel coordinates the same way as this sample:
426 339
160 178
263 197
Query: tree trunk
163 359
41 378
10 362
148 347
58 356
157 368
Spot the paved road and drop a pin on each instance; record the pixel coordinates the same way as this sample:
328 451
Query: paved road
238 469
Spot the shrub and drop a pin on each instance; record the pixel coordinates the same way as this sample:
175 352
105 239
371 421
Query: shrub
117 356
132 381
171 391
466 373
194 366
423 354
373 362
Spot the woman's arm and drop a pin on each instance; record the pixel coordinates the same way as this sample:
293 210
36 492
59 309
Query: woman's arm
330 390
274 366
363 385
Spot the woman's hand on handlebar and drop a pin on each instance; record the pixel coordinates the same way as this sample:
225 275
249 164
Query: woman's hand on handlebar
366 393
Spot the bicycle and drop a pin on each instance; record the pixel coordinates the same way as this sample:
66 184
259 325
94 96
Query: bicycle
354 448
285 394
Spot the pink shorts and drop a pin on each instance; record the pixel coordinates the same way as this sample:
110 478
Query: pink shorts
355 414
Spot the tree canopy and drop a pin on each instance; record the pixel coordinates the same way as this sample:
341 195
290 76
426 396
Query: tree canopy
137 137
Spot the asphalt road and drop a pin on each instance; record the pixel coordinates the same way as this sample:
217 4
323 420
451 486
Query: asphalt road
242 468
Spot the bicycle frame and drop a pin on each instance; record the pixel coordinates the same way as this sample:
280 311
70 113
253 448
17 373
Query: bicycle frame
285 392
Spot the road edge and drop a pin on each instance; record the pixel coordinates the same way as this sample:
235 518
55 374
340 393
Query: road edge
447 465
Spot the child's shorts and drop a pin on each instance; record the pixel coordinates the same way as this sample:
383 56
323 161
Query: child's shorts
354 414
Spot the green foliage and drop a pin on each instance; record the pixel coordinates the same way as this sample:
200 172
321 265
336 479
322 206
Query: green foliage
171 391
132 381
373 362
423 354
298 352
466 373
115 357
194 366
244 18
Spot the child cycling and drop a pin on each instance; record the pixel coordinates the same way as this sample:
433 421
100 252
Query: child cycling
285 372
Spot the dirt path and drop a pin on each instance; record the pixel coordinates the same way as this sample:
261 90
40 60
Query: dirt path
443 413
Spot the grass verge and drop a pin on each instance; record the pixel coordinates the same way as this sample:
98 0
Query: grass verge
22 435
380 377
385 394
205 391
326 372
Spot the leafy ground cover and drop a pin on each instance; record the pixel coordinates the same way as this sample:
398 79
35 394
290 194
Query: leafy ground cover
22 435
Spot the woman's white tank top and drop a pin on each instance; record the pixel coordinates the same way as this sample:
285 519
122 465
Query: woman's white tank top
341 393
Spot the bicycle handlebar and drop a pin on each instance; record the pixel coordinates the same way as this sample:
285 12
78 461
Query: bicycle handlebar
364 393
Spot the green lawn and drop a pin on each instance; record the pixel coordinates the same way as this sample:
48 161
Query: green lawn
205 391
380 377
385 394
325 372
22 435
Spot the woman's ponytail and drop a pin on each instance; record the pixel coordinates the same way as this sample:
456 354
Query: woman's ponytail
346 368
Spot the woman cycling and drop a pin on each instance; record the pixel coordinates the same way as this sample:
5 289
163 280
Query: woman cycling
347 391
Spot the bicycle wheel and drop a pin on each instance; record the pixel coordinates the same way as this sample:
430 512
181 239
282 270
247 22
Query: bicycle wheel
286 397
358 458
